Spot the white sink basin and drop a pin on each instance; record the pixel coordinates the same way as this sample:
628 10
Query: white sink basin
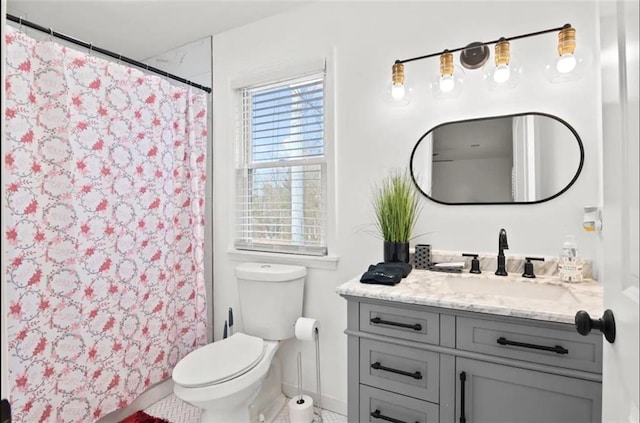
509 288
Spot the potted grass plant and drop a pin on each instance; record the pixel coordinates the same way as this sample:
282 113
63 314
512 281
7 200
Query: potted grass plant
397 207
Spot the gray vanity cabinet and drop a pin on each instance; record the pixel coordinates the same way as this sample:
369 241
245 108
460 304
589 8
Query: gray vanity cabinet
405 362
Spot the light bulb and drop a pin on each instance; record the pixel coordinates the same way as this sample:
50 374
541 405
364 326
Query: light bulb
502 74
447 83
397 91
566 63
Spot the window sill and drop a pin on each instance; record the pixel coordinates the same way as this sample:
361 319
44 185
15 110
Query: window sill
319 262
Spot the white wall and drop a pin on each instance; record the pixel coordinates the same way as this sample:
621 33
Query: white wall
473 181
360 42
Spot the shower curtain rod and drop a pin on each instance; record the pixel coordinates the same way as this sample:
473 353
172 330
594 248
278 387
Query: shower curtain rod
91 48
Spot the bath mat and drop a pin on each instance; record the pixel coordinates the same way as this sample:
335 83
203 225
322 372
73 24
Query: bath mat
142 417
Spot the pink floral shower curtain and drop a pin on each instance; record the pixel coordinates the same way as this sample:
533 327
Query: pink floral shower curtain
105 197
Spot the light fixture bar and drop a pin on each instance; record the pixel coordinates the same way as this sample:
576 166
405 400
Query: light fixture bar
515 37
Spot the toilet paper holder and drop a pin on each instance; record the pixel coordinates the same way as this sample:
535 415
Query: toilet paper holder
307 329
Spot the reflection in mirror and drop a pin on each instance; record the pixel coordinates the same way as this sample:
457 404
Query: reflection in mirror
527 158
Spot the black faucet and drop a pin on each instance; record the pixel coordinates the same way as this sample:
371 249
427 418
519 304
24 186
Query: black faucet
502 245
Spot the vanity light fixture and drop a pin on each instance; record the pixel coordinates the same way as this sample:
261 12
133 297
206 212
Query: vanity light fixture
450 78
566 47
446 72
397 84
448 81
502 72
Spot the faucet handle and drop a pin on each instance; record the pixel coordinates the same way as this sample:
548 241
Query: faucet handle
528 267
475 263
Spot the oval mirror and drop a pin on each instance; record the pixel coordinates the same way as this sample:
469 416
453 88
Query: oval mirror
516 159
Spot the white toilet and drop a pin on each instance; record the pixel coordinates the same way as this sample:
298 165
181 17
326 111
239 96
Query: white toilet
237 380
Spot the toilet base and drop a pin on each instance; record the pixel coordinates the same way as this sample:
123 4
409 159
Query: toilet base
270 401
254 397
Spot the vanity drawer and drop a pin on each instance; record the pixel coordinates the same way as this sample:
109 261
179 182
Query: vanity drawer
407 371
377 406
414 325
530 343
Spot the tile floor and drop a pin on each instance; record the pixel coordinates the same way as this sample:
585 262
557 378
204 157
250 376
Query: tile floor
177 411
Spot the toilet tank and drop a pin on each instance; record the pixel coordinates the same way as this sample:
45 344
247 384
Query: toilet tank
270 298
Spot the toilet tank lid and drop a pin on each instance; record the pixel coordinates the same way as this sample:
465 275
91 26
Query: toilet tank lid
269 272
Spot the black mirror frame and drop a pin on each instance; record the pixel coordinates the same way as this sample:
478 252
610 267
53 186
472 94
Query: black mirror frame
575 177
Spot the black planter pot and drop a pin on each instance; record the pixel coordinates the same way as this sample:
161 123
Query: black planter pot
396 251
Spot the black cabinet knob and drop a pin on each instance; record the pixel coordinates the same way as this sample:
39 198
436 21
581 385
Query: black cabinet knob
606 324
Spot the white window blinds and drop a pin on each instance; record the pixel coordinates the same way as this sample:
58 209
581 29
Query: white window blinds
281 180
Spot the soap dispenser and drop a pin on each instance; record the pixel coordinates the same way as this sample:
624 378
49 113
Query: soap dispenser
528 267
475 263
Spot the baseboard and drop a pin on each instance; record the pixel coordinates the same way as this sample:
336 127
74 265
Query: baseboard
328 403
145 400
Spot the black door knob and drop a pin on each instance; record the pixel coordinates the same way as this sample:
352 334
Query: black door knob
606 324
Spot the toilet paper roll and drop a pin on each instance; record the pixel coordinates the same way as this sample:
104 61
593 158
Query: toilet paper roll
301 413
306 328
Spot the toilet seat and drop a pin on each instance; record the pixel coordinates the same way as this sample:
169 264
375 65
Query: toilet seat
219 362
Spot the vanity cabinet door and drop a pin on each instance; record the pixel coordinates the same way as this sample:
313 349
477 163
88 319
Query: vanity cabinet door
495 393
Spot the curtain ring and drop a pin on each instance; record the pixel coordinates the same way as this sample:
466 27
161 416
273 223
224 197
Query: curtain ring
20 24
119 58
90 48
50 34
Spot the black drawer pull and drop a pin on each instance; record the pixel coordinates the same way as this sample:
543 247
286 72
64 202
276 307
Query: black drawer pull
558 349
378 366
463 379
379 321
377 415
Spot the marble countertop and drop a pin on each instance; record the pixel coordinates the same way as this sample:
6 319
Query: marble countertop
542 298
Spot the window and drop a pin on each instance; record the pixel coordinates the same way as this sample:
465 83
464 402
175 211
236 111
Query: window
281 180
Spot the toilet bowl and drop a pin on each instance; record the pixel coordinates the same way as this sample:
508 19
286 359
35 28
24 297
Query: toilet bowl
225 377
